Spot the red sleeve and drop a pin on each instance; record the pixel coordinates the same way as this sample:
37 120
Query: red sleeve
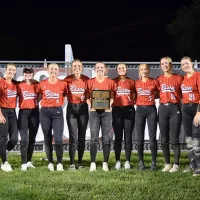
38 90
181 79
113 88
66 79
18 89
88 89
0 88
66 89
133 82
198 84
157 85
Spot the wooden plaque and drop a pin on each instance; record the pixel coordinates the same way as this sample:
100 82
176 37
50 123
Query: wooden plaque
101 99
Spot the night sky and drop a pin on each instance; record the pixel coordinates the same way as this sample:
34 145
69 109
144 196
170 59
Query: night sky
97 30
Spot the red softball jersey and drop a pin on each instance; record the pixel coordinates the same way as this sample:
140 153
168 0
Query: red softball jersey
190 88
28 98
52 94
170 88
76 88
123 96
8 94
146 92
93 84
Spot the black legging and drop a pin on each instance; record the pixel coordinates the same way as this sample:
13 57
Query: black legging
77 121
149 114
9 127
52 119
28 123
170 124
123 123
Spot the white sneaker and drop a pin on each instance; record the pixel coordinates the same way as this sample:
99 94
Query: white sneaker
30 165
187 169
60 167
105 167
24 167
6 167
175 168
166 168
118 165
127 165
72 167
51 167
93 167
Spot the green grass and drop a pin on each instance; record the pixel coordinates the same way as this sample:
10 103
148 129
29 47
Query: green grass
41 184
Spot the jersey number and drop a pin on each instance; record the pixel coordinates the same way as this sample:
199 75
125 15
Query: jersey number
172 96
191 97
150 98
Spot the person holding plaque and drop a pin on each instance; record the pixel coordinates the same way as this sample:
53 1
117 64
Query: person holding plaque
146 91
100 91
77 112
191 114
123 113
53 92
169 113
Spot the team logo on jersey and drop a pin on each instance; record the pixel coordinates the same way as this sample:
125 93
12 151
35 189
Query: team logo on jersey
122 91
50 95
166 88
28 95
11 93
75 90
186 89
143 92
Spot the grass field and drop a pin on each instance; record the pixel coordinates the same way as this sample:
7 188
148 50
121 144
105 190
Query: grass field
41 184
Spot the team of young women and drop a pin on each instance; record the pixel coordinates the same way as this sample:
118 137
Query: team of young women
179 101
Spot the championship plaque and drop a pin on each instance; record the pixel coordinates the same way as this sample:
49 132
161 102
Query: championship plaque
101 99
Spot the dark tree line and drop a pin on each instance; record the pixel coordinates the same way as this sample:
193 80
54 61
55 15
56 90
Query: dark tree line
185 31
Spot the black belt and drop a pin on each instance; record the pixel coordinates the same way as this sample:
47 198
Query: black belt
190 104
146 106
77 104
8 108
169 104
54 107
123 106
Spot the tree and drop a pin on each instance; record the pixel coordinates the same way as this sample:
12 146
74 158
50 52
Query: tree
185 30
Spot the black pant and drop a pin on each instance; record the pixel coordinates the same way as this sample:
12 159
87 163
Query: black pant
52 118
188 113
10 127
123 122
101 119
77 121
149 114
192 132
28 123
170 123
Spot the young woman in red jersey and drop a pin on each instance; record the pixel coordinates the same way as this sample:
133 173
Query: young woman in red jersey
146 91
191 114
53 92
100 118
77 112
8 119
28 118
123 113
169 113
